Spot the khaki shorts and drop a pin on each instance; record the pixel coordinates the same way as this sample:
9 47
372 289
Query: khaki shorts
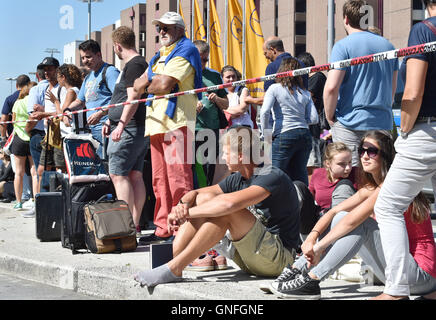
262 253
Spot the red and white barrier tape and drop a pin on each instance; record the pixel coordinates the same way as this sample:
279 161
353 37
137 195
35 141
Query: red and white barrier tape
376 57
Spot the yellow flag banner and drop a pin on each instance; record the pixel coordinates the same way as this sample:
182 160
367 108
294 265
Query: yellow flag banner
199 29
255 62
235 35
216 54
183 17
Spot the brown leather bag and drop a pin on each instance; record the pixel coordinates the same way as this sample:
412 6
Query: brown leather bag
109 227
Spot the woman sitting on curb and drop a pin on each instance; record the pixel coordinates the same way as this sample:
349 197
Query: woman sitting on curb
353 231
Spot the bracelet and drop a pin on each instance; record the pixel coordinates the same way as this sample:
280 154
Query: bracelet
316 231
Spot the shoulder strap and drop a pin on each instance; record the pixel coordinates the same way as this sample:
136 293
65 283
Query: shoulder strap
430 25
103 76
59 93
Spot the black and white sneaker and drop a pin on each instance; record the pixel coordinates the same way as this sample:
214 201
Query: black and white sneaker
288 273
303 287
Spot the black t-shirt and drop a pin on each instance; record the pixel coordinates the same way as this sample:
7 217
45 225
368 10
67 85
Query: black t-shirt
132 71
419 34
280 209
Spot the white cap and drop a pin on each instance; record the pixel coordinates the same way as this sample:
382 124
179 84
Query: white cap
170 18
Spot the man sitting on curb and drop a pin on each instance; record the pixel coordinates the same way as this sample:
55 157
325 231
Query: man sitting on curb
263 246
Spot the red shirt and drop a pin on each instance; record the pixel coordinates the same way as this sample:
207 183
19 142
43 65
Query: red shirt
421 243
322 188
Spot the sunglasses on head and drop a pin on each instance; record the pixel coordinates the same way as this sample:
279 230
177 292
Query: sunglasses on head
162 28
372 152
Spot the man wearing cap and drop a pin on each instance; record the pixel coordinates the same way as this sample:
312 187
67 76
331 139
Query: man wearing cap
170 123
43 108
97 88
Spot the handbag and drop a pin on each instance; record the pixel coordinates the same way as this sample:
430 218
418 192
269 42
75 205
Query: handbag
109 226
7 146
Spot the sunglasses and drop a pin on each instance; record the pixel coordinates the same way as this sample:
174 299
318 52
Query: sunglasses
372 152
164 29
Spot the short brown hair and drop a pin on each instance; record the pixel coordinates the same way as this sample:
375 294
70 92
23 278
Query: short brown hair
352 11
125 37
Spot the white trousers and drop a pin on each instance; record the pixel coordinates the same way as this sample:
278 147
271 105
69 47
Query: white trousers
413 166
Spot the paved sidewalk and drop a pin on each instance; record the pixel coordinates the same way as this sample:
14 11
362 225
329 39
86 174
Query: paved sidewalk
110 276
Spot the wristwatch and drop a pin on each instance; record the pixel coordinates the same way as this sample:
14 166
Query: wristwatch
403 134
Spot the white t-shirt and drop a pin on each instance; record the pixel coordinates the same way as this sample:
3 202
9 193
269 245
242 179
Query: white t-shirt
244 119
51 107
64 129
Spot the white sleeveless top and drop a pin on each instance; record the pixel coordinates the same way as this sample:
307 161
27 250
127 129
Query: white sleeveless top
244 119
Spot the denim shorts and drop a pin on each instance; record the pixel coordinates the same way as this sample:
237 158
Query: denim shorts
127 154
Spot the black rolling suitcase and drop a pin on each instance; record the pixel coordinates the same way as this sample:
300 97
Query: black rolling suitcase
49 207
73 221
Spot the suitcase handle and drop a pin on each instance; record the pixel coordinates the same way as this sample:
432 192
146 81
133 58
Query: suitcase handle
103 197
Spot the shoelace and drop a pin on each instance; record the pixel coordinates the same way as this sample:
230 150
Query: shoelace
287 274
293 284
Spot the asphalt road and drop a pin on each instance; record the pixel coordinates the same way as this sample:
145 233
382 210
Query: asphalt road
12 288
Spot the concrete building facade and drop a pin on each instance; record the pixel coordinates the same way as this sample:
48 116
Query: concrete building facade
301 24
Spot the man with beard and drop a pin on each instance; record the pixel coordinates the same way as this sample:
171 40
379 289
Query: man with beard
125 127
170 123
97 88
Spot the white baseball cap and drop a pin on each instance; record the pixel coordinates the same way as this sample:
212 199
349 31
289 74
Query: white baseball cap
170 18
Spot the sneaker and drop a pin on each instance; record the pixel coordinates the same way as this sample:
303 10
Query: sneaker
28 214
29 204
288 274
18 206
138 231
303 287
201 264
153 238
219 261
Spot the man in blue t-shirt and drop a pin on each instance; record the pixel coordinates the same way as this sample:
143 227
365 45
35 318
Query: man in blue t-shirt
6 130
359 98
97 88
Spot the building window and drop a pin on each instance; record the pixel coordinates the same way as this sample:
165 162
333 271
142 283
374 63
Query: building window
157 6
418 5
142 36
300 6
156 39
299 48
142 51
142 19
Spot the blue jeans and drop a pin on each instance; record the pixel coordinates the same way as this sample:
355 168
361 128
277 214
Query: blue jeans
96 134
290 152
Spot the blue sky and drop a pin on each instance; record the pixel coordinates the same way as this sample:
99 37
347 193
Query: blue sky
29 27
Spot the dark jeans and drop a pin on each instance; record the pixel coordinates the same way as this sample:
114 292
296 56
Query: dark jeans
290 152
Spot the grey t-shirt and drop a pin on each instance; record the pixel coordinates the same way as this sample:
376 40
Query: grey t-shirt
280 210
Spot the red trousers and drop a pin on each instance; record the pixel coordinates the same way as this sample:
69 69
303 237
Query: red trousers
172 178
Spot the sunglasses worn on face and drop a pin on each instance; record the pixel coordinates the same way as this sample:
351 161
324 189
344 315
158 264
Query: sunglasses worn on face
371 152
164 29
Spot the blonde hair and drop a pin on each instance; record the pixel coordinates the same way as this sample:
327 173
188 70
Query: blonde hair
241 138
24 92
331 150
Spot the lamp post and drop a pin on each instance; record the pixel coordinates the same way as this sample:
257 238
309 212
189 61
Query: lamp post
52 51
11 79
89 14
